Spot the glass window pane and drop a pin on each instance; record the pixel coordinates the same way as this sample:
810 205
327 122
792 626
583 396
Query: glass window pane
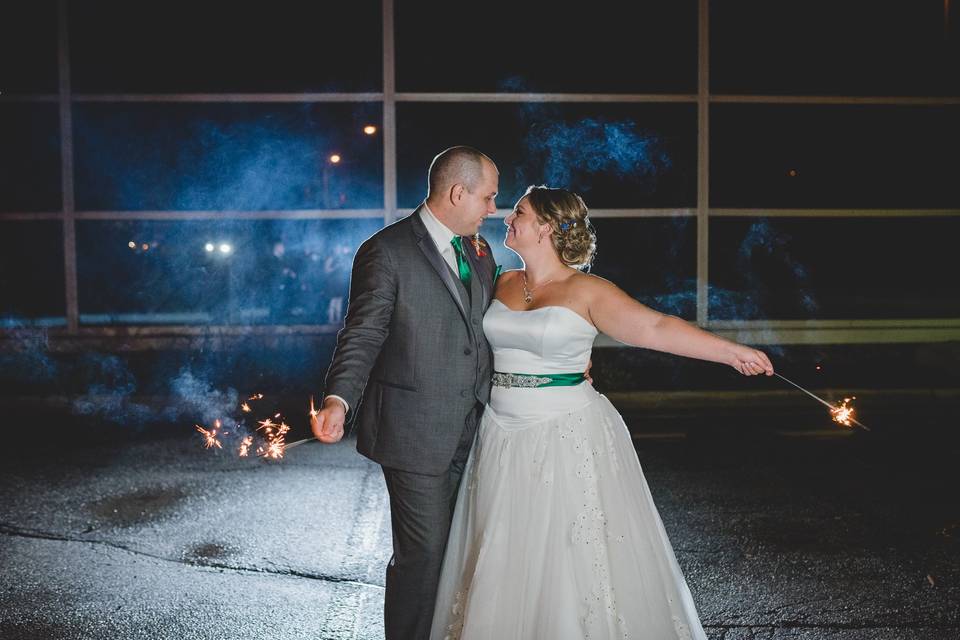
828 156
834 268
31 273
28 47
504 46
29 157
227 156
652 259
614 155
179 46
824 47
197 272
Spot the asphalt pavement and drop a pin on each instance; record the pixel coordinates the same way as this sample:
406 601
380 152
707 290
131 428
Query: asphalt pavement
807 533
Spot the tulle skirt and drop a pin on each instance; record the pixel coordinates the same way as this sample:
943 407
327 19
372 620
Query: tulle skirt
555 534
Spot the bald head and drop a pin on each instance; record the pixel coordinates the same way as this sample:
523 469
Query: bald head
456 165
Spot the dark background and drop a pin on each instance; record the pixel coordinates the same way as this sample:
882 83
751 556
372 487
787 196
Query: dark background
831 187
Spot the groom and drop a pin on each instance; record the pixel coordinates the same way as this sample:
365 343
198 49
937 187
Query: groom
412 370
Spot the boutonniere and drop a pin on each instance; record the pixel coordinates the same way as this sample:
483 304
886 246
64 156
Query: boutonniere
479 245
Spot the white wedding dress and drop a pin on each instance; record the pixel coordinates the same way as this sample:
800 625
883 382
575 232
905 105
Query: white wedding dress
555 535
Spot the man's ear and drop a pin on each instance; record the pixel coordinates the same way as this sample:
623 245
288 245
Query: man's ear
456 194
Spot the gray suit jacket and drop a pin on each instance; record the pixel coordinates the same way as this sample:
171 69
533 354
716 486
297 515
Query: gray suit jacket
411 359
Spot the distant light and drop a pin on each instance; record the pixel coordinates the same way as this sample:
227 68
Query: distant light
335 158
132 244
209 247
145 246
793 173
225 248
369 129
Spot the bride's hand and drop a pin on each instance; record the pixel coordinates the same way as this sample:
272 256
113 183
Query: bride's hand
750 361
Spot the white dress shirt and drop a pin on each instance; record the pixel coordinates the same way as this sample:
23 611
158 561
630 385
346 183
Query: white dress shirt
441 237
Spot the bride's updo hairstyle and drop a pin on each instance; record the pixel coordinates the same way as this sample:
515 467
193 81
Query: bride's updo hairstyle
565 212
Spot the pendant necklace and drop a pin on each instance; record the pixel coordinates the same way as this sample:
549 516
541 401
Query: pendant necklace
528 293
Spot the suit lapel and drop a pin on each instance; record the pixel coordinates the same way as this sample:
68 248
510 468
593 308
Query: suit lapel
429 249
481 275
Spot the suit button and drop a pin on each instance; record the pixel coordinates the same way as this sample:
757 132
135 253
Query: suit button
463 394
467 351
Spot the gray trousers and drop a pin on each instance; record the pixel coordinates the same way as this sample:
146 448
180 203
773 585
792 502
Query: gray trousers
421 508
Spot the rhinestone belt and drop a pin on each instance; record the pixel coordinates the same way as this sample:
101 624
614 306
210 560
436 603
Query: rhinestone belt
534 381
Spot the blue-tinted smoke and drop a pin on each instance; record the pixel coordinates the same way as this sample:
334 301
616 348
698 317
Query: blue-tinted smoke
514 84
721 302
196 398
159 272
594 146
110 395
763 245
27 360
258 167
228 157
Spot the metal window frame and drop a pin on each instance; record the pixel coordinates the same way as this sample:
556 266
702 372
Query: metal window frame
768 331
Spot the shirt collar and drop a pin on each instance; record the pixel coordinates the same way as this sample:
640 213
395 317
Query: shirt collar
438 231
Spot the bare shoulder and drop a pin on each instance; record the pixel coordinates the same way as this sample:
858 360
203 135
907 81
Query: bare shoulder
509 276
590 287
505 280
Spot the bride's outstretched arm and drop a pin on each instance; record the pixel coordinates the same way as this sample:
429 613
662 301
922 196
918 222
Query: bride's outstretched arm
623 318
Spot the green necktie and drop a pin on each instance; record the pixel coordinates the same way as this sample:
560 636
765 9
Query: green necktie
463 265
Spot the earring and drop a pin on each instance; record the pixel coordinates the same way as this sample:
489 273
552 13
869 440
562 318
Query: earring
540 239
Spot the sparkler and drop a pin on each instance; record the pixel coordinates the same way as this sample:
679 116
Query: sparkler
841 414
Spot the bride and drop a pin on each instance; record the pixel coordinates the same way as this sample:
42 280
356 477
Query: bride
555 534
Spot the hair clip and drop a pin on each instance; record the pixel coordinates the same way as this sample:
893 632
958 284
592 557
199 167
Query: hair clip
564 226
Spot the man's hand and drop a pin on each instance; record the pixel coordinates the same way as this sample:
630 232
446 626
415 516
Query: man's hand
586 374
327 423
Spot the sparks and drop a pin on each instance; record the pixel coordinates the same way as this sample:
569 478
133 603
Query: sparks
268 440
843 413
210 437
274 449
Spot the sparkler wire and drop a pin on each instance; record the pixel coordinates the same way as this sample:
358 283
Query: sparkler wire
819 399
287 447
